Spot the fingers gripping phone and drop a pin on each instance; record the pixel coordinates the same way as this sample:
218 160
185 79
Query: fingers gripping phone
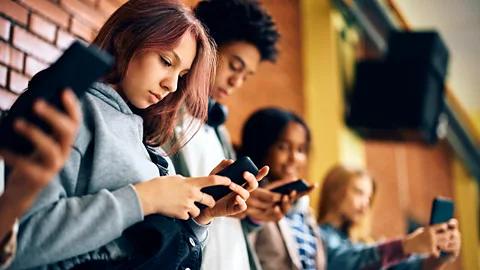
299 186
77 69
235 172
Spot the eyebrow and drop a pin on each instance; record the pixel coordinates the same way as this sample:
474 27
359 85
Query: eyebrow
177 58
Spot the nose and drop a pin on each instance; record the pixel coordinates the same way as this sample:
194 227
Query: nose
170 83
295 155
365 204
235 81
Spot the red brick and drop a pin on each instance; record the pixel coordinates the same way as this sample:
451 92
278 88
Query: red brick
84 12
4 53
49 10
11 56
32 66
6 99
4 29
34 45
108 7
79 29
64 39
3 76
42 27
18 82
14 11
16 58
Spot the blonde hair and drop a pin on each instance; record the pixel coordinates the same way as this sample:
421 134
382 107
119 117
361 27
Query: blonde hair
336 182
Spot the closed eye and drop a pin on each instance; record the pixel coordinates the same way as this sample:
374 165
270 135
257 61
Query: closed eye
165 62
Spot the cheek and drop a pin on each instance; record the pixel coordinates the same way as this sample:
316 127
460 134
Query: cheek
280 158
275 162
349 205
302 161
222 77
222 70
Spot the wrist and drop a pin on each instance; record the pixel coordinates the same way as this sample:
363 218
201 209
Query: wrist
147 208
406 246
204 218
254 221
17 201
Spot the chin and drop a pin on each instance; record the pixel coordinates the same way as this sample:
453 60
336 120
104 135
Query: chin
357 219
141 106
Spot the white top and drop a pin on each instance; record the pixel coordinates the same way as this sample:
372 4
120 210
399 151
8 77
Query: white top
226 248
203 152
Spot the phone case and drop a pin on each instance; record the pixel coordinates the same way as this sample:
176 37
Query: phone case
235 173
442 210
77 68
299 186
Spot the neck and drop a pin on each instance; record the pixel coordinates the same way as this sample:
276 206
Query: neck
116 87
338 221
134 109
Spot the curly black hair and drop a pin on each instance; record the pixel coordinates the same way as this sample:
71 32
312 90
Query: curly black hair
240 20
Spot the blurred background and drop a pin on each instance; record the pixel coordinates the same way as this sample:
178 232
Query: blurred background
321 40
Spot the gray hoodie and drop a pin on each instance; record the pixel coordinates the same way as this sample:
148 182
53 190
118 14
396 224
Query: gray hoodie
82 213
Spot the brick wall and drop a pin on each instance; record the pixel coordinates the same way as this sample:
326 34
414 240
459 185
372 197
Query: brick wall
33 34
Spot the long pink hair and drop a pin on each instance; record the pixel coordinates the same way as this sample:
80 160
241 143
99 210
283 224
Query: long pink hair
158 25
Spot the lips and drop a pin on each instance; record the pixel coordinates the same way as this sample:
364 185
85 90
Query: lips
156 96
223 93
291 170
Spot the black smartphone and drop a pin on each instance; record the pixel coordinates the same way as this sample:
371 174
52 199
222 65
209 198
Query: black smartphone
299 186
235 172
77 68
442 211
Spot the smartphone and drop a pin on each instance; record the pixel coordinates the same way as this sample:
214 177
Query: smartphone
235 172
299 186
77 68
442 211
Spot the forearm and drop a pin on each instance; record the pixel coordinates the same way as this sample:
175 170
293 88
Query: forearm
11 208
88 222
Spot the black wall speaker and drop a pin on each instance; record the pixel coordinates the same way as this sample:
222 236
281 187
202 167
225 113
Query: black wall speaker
401 98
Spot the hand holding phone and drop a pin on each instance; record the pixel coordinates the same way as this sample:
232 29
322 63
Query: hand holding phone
76 69
299 186
235 173
442 212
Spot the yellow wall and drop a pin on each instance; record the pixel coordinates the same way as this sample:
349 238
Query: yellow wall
476 119
332 142
476 122
467 203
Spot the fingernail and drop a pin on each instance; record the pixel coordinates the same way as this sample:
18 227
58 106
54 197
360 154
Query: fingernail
20 123
233 185
40 105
